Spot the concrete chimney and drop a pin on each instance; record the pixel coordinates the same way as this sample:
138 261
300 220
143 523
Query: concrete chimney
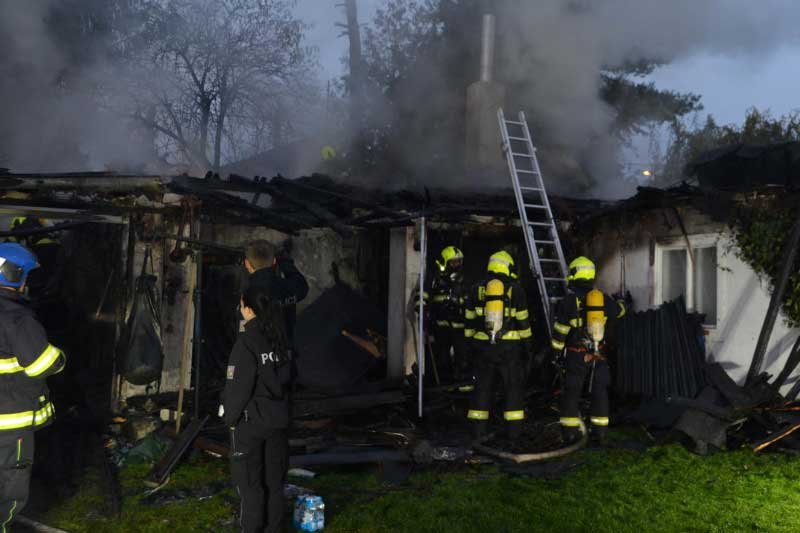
484 98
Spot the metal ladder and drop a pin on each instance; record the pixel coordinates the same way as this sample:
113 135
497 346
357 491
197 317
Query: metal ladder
541 233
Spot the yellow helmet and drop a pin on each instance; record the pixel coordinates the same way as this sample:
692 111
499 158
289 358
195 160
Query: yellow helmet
450 253
501 263
581 268
17 222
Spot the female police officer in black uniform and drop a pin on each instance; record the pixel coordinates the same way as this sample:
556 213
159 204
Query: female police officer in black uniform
256 409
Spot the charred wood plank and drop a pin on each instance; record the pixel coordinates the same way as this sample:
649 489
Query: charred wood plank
202 443
80 181
775 437
49 229
391 213
340 404
791 364
789 255
164 467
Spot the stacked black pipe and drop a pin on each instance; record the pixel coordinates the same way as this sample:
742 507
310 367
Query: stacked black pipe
659 353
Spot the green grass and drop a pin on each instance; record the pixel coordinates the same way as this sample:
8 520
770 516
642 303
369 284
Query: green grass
664 488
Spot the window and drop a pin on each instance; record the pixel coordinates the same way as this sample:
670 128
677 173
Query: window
693 276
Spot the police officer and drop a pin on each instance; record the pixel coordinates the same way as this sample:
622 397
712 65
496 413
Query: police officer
498 326
26 360
280 276
256 409
445 298
580 325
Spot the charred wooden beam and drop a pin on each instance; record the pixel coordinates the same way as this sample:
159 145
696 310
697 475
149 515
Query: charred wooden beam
391 213
346 403
49 229
164 467
269 218
92 181
790 250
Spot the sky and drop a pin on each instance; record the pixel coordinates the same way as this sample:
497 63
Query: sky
729 85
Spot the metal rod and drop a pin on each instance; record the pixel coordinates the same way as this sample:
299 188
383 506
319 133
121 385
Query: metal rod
423 252
198 332
487 47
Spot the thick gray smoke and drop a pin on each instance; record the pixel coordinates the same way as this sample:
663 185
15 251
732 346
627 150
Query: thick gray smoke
50 116
561 48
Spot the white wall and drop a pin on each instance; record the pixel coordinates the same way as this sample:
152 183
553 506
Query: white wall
742 299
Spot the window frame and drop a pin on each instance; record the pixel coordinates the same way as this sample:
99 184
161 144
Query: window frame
708 240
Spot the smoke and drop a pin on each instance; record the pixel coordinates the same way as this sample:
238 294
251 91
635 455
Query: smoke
51 113
560 49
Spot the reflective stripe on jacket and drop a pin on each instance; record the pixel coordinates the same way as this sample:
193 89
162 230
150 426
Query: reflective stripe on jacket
517 323
26 359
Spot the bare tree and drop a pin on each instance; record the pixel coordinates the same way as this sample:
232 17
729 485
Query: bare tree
215 73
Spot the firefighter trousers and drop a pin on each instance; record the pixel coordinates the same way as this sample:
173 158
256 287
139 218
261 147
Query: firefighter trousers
16 462
577 370
495 363
451 367
259 461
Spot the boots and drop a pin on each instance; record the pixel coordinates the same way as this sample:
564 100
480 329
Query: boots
599 437
570 435
480 428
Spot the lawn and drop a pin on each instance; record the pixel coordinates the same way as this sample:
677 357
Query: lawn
662 488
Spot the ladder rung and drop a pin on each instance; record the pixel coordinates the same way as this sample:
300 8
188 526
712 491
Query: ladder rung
517 138
553 279
535 206
522 170
518 154
531 189
514 122
542 224
549 261
549 243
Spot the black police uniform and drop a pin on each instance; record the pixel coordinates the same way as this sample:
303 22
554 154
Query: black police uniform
286 284
569 331
26 360
256 408
504 360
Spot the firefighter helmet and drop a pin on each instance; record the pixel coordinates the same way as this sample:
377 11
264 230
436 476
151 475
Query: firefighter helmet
581 268
450 253
16 262
25 223
501 263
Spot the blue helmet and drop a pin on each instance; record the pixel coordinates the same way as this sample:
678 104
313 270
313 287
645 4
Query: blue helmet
16 262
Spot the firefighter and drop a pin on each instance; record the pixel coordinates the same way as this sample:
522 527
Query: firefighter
498 327
580 327
256 409
26 360
278 273
445 296
45 283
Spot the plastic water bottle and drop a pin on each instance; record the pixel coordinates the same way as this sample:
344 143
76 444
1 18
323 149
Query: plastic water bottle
309 513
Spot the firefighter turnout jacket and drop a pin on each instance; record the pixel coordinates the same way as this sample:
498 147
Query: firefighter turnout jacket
496 311
445 301
256 388
572 317
26 359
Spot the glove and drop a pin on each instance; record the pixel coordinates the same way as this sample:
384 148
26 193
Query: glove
221 411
